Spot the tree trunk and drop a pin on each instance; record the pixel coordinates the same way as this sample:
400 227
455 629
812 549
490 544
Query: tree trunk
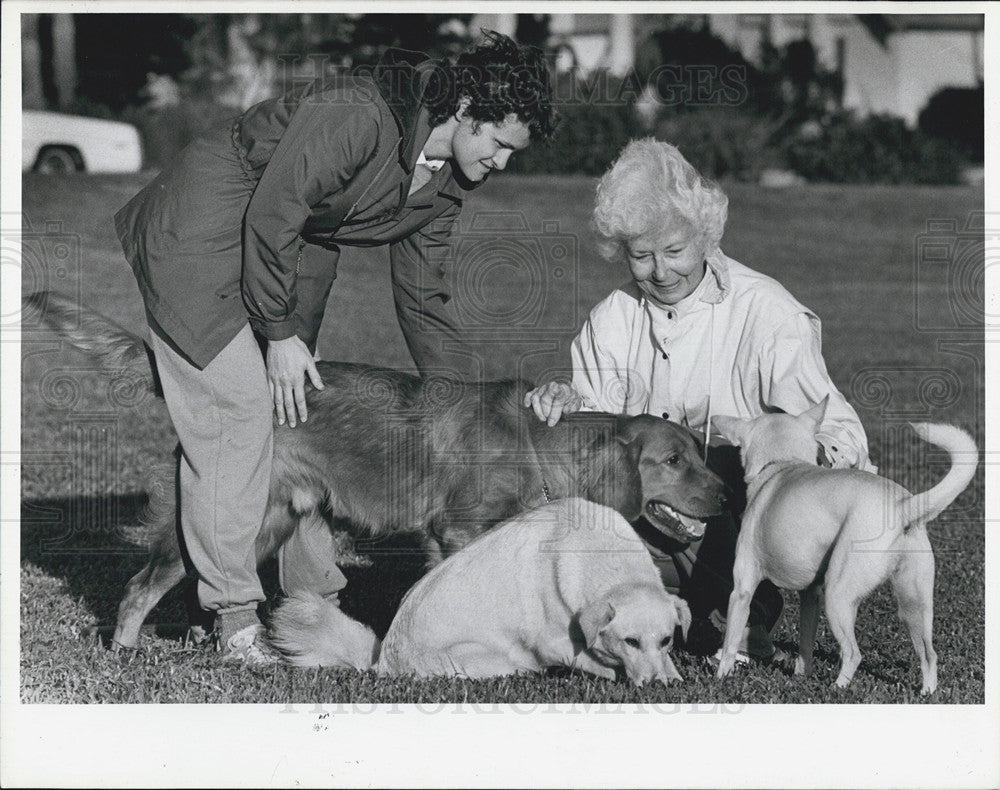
32 96
250 79
64 58
621 45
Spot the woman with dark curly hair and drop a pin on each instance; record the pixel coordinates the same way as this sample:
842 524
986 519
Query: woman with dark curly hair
242 234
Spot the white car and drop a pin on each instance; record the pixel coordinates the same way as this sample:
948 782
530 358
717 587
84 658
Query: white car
52 142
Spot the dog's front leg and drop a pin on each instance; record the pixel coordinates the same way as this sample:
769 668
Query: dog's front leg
584 662
745 581
736 618
808 621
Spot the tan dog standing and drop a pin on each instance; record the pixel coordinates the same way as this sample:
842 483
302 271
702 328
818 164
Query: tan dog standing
566 584
806 528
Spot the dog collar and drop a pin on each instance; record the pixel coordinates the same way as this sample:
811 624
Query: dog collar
779 461
538 465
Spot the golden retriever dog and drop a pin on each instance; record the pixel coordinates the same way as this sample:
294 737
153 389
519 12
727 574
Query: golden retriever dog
389 452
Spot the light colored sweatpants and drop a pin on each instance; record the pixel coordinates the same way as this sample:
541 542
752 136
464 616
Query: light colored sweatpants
222 415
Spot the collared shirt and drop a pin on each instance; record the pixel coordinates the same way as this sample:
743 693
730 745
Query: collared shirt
423 170
740 338
431 164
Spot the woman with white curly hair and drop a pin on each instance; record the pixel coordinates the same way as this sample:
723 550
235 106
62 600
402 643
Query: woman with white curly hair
696 333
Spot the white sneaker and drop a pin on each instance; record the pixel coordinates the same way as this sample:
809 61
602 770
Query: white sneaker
248 646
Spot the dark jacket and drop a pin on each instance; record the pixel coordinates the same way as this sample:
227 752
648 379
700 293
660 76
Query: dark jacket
218 237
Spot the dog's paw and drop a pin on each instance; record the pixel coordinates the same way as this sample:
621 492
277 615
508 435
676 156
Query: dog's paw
124 654
199 636
801 668
725 664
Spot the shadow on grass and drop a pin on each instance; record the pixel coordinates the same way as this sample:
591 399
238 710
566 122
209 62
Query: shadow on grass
86 543
75 540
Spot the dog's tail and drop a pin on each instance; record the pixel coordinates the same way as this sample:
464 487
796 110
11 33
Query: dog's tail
310 631
118 350
964 458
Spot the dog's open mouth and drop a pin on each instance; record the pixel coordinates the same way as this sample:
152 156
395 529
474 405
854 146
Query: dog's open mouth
674 524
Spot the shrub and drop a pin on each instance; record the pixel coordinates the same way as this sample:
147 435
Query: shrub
955 116
878 149
597 120
789 83
89 108
166 130
721 141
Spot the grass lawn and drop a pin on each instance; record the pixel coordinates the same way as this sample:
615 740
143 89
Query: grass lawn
898 341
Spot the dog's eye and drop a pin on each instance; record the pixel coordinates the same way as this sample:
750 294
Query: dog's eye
666 643
631 641
674 460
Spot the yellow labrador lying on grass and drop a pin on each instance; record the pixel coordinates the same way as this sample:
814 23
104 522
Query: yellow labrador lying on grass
806 527
567 584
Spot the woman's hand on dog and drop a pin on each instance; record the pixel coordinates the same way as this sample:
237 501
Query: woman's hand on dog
552 400
288 362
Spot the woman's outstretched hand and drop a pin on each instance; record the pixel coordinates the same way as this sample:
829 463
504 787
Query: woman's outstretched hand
551 401
288 362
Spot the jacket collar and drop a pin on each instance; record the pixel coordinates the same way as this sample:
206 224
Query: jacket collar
401 77
718 287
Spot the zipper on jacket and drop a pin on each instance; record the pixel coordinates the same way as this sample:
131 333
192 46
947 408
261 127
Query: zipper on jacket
353 210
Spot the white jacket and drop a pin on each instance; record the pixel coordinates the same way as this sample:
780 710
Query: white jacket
740 338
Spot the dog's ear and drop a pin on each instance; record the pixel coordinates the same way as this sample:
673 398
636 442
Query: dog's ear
607 467
683 616
594 618
627 433
814 415
599 441
698 437
732 429
627 441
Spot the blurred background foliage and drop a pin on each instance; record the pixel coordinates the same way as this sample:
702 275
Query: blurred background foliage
174 75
